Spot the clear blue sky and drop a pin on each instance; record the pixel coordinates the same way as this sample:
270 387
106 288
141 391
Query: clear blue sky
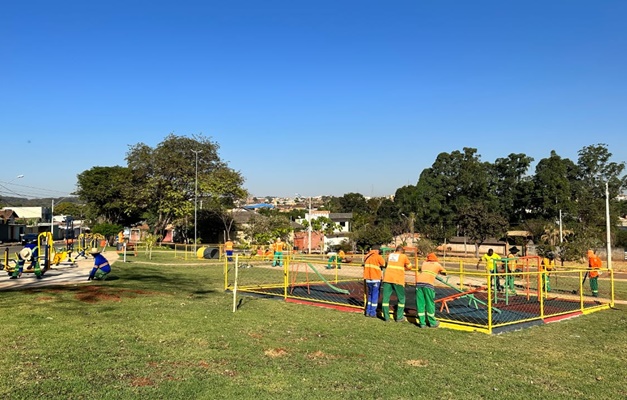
310 97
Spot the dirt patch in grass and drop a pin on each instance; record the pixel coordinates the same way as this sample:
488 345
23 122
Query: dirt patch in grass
417 363
141 381
275 353
94 293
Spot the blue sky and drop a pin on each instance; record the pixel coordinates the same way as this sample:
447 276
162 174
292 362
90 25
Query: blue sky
310 97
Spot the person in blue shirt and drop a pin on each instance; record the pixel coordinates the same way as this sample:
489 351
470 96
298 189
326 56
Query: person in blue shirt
101 266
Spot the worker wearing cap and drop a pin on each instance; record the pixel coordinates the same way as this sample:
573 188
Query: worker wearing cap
425 291
373 263
547 265
594 264
101 266
394 280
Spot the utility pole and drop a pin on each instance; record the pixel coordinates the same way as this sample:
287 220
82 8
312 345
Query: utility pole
196 202
309 228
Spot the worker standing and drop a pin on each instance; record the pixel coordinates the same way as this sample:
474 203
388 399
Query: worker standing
394 280
373 263
278 253
425 291
547 265
228 249
594 264
512 267
491 259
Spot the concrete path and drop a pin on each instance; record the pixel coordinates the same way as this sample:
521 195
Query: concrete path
57 275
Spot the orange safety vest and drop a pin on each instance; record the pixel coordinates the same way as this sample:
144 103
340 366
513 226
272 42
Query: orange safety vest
429 271
228 245
278 246
395 270
372 266
594 263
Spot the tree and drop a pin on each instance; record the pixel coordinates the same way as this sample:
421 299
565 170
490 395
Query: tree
511 185
69 208
164 177
554 187
453 182
264 229
480 224
107 230
221 190
595 170
368 236
108 193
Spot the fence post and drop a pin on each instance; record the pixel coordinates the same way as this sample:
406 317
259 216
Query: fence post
612 287
489 302
581 290
461 275
235 282
540 293
286 262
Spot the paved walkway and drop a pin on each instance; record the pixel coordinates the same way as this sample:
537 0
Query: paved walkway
63 274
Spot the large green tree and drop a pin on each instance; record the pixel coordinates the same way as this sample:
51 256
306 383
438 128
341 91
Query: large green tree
108 194
554 188
454 181
164 179
512 185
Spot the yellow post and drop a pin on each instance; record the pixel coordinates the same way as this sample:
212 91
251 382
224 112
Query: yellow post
286 262
226 274
540 294
461 275
581 290
489 302
611 287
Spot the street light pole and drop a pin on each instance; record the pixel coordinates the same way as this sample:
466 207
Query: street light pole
309 228
196 201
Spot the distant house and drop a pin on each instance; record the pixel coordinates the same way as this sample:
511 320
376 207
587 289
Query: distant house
339 235
9 230
31 213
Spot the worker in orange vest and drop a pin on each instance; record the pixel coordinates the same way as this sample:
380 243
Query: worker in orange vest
594 264
278 253
425 291
394 280
372 277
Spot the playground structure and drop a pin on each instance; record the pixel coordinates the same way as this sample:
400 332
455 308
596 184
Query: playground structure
46 256
466 299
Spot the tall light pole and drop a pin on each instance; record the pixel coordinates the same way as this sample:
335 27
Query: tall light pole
196 152
309 228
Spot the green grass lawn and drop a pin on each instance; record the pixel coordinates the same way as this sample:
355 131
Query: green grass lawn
168 332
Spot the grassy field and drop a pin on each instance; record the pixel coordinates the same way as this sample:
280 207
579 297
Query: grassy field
165 330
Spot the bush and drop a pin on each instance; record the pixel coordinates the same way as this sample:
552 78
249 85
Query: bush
107 230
